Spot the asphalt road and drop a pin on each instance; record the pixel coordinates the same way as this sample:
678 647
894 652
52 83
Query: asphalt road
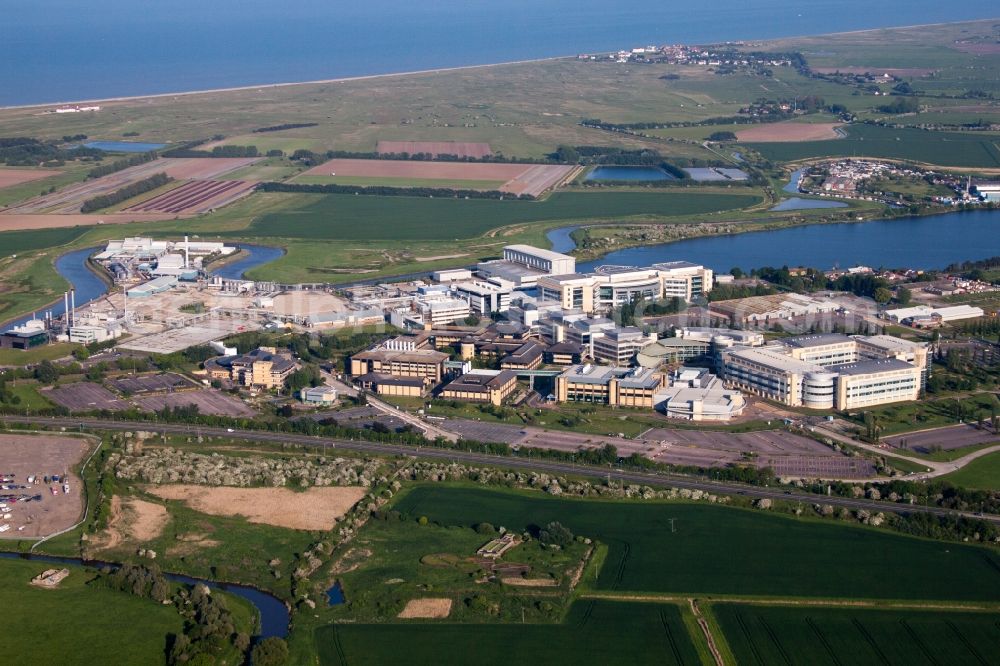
510 462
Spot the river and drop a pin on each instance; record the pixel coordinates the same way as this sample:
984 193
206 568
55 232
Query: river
927 242
272 611
257 255
57 50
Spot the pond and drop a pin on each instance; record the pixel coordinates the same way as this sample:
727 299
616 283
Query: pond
798 203
124 146
628 173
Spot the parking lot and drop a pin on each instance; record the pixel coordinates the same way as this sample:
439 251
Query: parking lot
40 508
141 384
85 397
946 439
208 401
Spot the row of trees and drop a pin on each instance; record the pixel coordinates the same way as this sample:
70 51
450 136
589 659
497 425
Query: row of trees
125 193
25 151
121 165
284 126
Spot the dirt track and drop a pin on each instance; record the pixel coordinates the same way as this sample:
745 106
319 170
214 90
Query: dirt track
11 177
418 170
314 509
788 132
462 149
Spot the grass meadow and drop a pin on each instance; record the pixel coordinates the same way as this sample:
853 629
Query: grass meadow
77 623
981 474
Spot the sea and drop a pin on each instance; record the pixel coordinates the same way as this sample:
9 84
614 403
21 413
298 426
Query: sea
67 50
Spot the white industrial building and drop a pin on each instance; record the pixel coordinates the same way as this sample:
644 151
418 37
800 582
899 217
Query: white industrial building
522 265
829 371
694 394
942 314
612 286
485 296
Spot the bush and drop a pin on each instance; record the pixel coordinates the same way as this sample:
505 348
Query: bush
485 528
554 534
270 652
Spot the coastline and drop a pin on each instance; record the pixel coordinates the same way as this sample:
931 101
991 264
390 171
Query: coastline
438 70
284 84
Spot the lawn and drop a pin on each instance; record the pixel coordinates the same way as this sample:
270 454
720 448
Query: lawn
350 217
36 354
598 632
981 474
695 553
817 636
928 413
79 624
958 149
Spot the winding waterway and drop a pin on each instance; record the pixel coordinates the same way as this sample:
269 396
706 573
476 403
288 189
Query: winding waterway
257 255
273 612
928 242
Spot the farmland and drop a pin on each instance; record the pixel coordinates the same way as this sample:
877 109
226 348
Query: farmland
778 555
595 632
533 179
341 216
12 177
957 149
785 634
195 196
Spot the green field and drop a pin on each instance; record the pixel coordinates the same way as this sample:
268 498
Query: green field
777 555
597 632
78 624
12 242
981 474
349 217
958 149
818 636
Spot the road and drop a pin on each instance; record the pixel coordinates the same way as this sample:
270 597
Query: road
660 479
429 430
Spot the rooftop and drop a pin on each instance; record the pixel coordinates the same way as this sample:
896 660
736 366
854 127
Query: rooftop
869 367
538 252
818 340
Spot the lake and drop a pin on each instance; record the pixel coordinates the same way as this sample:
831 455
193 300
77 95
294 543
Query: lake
59 50
927 242
124 146
628 173
798 203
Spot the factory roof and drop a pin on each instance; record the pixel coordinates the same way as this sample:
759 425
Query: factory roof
818 340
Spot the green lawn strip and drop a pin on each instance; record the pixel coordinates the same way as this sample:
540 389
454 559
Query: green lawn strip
78 623
981 474
594 632
777 553
351 217
791 634
928 413
36 354
69 175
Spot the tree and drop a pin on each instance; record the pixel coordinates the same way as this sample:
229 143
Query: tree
271 651
554 534
46 373
882 295
903 295
567 154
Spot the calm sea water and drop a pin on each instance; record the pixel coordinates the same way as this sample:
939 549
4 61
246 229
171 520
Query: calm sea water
57 50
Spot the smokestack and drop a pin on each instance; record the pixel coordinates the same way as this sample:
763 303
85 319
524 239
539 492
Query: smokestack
66 307
72 307
187 246
125 307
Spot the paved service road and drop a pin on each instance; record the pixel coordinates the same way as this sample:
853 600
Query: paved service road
510 462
